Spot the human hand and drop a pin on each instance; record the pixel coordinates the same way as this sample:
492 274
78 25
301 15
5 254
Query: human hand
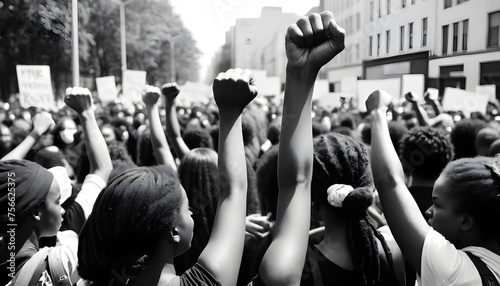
378 99
170 90
257 225
43 122
412 97
150 95
313 41
79 99
233 90
431 96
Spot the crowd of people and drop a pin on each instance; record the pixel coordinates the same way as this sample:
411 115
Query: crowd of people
246 192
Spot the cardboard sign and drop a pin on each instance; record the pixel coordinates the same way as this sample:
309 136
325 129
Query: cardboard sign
35 87
133 84
488 90
192 92
456 99
413 82
366 87
106 88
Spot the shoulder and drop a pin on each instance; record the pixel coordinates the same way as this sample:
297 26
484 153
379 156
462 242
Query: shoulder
198 275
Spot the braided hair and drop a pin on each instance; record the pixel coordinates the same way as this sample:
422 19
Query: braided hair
130 216
339 159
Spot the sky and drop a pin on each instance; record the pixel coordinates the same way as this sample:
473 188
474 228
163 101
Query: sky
208 20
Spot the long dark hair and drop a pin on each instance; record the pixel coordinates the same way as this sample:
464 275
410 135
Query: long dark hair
340 159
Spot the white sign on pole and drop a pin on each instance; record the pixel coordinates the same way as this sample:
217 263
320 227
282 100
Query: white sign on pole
106 88
488 90
456 99
35 87
366 87
133 84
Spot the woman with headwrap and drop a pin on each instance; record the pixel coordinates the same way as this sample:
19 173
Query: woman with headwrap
141 221
30 208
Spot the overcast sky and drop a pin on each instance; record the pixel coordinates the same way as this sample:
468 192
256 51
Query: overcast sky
208 20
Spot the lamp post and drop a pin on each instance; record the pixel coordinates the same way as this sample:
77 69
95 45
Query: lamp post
171 41
75 60
123 45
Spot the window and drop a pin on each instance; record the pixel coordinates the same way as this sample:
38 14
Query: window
401 37
455 37
379 9
387 40
357 51
358 22
410 36
447 4
424 32
493 29
465 32
388 7
412 2
370 47
378 44
371 11
445 39
403 3
461 1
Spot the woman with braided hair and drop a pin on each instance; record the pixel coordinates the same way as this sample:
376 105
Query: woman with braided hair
352 251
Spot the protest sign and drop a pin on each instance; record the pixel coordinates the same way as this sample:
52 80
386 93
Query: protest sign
106 88
35 87
133 85
456 99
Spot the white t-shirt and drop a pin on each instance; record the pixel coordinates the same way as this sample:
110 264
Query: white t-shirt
443 264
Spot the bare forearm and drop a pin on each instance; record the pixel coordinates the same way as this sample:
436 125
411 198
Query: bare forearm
159 141
23 148
97 150
174 130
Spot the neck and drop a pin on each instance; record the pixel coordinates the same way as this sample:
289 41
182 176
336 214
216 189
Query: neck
417 181
159 268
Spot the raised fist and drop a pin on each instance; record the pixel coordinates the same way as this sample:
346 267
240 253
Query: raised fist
412 97
378 99
43 122
150 95
78 98
233 90
170 90
313 41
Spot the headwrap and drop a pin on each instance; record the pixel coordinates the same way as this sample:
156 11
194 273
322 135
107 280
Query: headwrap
29 182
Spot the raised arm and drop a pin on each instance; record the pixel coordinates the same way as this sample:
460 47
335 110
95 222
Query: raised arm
401 211
42 122
423 118
432 99
222 255
80 100
310 44
161 150
170 91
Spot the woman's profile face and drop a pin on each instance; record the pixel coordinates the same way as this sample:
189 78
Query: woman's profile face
51 215
444 215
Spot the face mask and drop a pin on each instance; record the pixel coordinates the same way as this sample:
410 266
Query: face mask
67 136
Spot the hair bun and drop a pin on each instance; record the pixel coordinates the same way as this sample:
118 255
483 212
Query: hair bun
337 193
358 200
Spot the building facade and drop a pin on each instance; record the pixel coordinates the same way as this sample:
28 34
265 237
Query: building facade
451 42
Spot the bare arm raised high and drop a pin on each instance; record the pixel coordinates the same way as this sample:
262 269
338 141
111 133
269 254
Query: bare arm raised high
401 211
161 149
170 91
310 43
233 91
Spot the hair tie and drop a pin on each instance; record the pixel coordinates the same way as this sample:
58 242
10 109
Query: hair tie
337 193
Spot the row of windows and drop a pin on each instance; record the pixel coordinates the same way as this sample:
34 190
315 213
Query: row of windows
459 36
449 3
401 38
388 7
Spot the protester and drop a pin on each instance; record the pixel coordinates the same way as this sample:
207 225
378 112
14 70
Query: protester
463 219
